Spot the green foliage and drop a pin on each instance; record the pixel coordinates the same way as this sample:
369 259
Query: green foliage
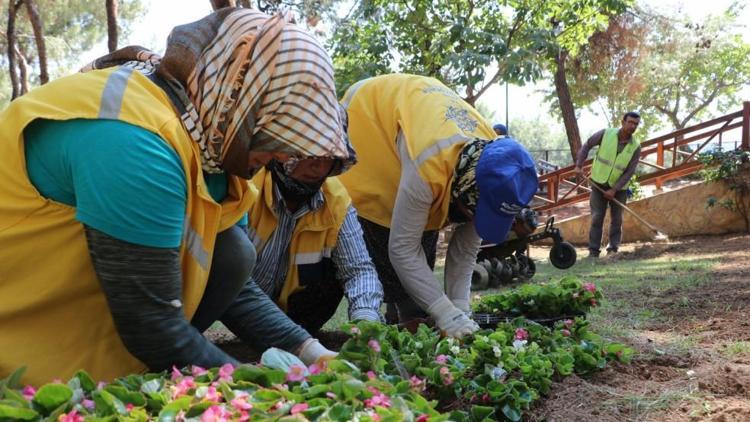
382 373
669 68
468 45
71 27
568 296
733 168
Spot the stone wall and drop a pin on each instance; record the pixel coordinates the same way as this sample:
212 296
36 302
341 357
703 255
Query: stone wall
681 212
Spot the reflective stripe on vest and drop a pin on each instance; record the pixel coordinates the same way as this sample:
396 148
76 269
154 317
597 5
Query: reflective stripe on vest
438 146
194 246
312 257
114 91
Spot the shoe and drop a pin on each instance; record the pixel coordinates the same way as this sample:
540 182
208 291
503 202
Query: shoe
593 254
611 251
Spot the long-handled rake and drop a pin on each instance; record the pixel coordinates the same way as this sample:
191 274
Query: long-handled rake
659 235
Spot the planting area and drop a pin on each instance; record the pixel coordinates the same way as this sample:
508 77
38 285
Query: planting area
666 337
682 305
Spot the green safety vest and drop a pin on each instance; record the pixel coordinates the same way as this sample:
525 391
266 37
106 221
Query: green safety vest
608 164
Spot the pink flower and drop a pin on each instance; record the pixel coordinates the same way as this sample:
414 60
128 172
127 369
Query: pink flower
423 418
417 383
216 414
589 287
371 375
176 374
100 385
276 406
486 398
244 416
212 395
73 416
354 330
568 323
522 334
28 392
299 408
565 332
331 395
88 404
129 407
225 372
198 371
316 368
377 399
374 345
182 387
446 375
442 359
240 401
593 302
296 373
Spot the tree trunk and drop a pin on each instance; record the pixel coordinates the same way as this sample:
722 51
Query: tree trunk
566 104
23 71
11 37
218 4
41 47
112 25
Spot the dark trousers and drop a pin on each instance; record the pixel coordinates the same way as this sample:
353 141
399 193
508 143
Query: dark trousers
400 306
315 305
598 210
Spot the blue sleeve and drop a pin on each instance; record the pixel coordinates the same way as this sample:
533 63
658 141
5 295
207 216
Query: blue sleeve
125 181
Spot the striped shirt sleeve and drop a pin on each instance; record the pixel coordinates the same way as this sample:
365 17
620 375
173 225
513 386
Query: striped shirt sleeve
355 268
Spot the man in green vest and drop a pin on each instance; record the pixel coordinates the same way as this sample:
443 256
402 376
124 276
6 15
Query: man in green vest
614 165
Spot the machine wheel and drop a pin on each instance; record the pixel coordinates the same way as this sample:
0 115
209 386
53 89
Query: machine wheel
496 274
562 255
479 278
527 267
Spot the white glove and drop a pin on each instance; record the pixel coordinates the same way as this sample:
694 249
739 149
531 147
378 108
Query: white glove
450 319
312 351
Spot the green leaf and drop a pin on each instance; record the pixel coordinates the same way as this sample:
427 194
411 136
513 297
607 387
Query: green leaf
13 381
87 383
170 411
198 409
17 413
512 413
340 412
152 386
14 396
108 403
480 413
51 396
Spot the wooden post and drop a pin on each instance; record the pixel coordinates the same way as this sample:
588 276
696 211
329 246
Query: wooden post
659 162
745 145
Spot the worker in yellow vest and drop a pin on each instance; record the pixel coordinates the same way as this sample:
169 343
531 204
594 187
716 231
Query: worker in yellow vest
614 164
311 252
426 159
123 187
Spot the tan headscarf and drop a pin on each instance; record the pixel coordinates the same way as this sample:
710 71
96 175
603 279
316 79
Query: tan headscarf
244 81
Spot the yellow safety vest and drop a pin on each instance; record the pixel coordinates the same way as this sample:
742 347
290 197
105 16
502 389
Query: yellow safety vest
314 236
435 122
609 165
53 315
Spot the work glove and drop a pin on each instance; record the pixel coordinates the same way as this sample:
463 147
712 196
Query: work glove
452 321
312 351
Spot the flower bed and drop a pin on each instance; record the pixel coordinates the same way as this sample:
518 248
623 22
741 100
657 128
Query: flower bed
382 374
545 303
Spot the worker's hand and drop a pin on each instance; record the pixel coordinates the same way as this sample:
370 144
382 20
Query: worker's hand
610 194
312 352
452 321
579 171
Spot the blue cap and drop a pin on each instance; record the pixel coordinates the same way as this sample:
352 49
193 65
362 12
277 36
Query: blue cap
507 181
501 127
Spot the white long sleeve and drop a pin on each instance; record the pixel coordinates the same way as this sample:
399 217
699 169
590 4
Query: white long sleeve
459 264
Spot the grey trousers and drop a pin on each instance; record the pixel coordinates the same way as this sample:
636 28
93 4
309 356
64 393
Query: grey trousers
598 210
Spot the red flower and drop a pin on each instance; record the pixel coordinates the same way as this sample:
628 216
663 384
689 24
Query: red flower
522 334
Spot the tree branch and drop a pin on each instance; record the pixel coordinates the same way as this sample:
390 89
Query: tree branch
41 46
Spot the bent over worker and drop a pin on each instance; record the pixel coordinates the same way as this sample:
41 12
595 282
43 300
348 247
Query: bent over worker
614 164
311 251
426 159
123 187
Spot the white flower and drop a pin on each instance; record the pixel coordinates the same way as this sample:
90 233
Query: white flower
497 351
417 345
519 344
455 349
498 373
